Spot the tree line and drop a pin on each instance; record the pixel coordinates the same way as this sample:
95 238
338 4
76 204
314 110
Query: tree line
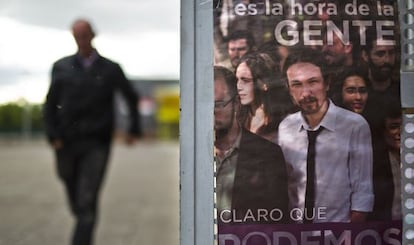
16 117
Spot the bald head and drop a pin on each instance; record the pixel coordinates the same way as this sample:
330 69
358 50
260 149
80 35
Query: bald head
83 33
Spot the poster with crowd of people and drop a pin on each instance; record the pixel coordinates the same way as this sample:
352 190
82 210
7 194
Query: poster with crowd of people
307 119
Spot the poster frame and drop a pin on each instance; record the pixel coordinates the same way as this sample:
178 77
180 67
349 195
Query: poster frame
196 124
196 119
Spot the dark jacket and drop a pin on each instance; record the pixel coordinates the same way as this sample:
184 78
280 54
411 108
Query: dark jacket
261 177
383 183
80 101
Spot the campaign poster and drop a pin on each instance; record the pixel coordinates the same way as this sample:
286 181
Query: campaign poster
307 122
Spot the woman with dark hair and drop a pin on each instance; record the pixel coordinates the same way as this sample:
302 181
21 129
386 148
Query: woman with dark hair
352 91
353 94
264 98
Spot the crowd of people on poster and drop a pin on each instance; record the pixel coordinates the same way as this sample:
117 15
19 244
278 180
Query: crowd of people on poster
316 83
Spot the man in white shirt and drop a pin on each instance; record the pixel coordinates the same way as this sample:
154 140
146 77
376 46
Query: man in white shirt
341 189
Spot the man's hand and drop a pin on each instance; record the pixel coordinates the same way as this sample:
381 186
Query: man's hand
358 217
57 144
131 139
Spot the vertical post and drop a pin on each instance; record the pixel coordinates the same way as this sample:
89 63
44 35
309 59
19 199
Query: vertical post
406 9
196 123
26 123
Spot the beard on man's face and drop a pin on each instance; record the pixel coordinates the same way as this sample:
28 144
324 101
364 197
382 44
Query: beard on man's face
235 61
382 72
309 105
334 60
221 133
223 123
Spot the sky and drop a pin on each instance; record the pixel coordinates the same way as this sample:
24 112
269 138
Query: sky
141 35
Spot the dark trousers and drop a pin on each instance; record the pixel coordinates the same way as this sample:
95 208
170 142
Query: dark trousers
81 167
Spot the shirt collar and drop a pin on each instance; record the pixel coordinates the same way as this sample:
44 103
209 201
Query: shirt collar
236 144
88 61
233 148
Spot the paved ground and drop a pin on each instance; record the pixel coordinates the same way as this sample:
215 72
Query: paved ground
139 202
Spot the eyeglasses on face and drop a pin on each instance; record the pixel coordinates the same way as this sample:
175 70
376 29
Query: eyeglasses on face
222 104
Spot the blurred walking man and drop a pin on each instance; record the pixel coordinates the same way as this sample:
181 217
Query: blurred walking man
79 124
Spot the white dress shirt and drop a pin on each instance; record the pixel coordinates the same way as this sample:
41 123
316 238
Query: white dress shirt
226 172
343 164
396 176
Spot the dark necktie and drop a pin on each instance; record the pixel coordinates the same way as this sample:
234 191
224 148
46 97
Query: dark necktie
310 177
